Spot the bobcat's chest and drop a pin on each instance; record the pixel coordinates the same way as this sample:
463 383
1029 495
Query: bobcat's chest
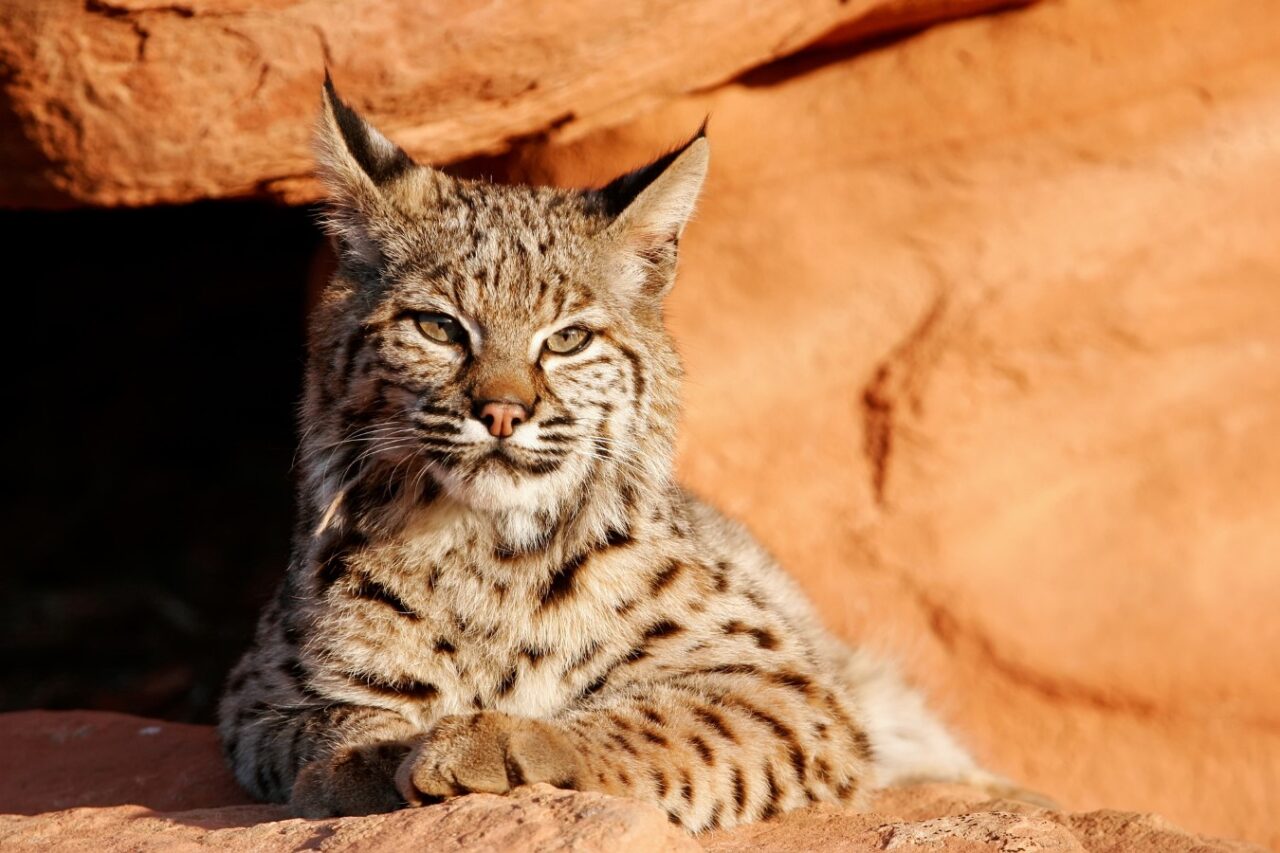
446 633
506 652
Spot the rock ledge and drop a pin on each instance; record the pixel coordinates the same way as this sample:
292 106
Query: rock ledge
94 781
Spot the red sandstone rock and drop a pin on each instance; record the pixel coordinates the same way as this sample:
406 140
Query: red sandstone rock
958 819
115 762
52 761
538 818
142 102
842 832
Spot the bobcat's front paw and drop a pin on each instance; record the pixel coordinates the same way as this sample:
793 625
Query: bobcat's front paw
354 780
489 753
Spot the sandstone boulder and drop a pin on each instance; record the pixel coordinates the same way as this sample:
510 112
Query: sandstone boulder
54 761
75 782
130 102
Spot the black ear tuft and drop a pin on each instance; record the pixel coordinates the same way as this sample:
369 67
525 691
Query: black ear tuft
618 194
359 167
378 157
648 210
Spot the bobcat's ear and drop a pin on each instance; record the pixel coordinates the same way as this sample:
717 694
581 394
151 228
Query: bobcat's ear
360 168
650 208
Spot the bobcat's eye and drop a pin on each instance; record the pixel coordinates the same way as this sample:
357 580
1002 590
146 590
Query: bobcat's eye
568 341
440 328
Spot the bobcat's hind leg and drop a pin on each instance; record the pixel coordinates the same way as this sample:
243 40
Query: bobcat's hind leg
911 745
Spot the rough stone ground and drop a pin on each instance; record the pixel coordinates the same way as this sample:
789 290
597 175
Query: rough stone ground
93 781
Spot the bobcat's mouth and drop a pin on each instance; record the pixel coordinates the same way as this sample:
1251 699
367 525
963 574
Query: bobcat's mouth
501 457
521 461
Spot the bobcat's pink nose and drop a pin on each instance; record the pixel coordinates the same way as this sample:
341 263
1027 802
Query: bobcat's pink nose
501 417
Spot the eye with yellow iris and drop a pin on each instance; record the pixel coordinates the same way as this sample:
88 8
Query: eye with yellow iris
440 328
568 341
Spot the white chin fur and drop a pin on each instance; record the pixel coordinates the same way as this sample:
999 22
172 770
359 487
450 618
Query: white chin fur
496 488
513 501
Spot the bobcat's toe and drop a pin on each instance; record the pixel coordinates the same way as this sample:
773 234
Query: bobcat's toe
486 753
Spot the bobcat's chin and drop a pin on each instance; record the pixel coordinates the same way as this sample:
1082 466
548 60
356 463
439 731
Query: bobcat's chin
493 485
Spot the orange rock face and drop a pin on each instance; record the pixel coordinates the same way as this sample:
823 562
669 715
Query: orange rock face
109 763
997 314
129 102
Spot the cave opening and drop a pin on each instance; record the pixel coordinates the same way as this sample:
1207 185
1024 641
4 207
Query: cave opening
154 363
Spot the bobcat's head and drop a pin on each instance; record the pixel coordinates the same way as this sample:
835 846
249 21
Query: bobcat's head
502 344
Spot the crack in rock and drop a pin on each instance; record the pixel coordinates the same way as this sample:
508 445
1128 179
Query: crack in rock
896 381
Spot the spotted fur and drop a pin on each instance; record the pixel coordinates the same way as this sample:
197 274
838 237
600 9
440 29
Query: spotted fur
464 613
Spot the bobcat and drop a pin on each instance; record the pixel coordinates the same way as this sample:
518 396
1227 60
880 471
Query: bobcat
495 579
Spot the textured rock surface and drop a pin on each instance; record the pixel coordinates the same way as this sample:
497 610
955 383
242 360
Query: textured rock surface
539 819
142 102
997 314
53 761
80 758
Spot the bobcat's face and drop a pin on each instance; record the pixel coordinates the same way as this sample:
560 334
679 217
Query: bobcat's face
503 343
498 358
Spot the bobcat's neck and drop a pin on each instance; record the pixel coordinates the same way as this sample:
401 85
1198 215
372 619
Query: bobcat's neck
384 506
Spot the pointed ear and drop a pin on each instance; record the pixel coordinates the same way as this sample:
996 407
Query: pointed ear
651 207
358 166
